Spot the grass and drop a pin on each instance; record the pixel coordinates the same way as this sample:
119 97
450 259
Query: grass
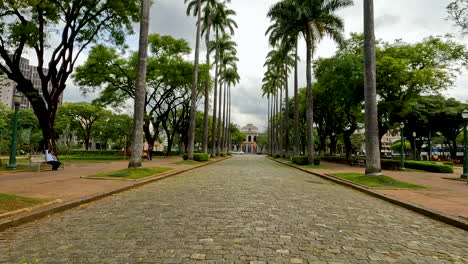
132 173
187 162
316 167
10 202
18 168
377 181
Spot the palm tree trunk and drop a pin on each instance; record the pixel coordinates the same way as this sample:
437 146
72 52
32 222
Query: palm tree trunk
229 122
277 123
193 95
372 131
140 89
269 127
310 106
296 107
207 97
219 130
224 119
215 96
286 119
281 124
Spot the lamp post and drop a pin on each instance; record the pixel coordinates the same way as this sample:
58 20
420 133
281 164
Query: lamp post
465 153
402 147
12 161
415 148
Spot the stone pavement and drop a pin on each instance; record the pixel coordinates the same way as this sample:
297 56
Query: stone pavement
243 210
443 195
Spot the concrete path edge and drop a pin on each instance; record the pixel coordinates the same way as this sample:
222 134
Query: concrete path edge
35 215
413 207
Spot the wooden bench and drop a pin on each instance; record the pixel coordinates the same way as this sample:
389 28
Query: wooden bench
38 160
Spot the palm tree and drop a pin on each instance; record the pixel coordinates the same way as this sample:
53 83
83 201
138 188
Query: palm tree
220 21
231 77
206 24
140 89
313 20
372 131
193 96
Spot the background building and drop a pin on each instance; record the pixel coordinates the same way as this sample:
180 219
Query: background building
250 143
8 87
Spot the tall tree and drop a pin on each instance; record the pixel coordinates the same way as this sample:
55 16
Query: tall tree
458 12
221 22
193 97
370 94
314 20
140 89
60 31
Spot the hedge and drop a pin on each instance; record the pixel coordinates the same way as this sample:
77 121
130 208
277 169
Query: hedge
276 156
427 166
92 152
185 156
201 156
304 160
336 159
229 153
162 153
300 160
223 154
390 164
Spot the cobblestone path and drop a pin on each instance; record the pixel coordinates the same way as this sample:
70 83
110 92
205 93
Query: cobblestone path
244 210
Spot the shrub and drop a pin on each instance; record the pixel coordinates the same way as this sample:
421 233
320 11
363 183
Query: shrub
300 160
229 153
185 156
276 156
317 160
201 156
390 164
429 166
223 154
92 152
336 159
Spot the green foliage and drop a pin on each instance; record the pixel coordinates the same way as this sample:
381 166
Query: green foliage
380 181
229 153
187 162
93 152
390 164
201 156
276 156
429 166
223 154
397 145
336 159
317 160
185 156
300 160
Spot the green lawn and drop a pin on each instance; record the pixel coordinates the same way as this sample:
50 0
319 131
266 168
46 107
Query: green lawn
187 162
132 173
18 168
316 167
10 202
377 181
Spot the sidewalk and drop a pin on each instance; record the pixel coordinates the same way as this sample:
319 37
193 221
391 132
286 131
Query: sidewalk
443 195
67 185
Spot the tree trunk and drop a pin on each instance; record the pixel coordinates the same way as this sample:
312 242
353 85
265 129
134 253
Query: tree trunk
310 110
281 133
224 134
286 119
220 101
207 97
296 107
269 126
371 124
193 96
140 89
215 96
229 121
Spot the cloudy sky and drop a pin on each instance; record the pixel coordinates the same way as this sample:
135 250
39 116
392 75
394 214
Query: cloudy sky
398 19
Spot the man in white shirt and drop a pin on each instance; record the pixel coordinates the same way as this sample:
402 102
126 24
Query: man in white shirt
52 160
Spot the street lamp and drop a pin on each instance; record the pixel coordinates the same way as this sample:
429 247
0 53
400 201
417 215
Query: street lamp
415 149
465 153
402 147
12 162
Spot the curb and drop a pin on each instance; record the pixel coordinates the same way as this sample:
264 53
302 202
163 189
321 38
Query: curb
450 220
72 204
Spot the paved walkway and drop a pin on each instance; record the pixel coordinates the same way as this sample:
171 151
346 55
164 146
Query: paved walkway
443 195
67 184
243 210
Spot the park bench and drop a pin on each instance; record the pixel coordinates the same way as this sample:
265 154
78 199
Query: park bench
39 160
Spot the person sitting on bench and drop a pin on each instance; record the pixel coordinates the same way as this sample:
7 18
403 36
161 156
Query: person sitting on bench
52 160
